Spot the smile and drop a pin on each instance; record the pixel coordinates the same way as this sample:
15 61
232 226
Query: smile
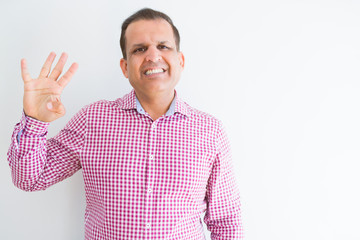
153 71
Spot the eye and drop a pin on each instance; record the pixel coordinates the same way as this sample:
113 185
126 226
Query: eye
140 49
163 47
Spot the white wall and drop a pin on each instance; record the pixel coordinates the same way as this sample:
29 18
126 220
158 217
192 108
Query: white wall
282 75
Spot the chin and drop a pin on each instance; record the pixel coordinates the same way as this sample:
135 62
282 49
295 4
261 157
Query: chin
158 87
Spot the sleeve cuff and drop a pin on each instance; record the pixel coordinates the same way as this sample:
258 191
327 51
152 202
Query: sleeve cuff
33 126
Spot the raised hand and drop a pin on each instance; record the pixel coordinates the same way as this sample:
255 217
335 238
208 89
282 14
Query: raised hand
42 95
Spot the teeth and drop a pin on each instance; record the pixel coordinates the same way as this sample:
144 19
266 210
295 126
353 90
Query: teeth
152 71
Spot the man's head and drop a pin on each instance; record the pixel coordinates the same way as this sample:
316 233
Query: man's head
146 14
152 63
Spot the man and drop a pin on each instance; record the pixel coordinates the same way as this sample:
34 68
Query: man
151 163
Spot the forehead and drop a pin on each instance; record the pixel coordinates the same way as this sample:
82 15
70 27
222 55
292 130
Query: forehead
144 31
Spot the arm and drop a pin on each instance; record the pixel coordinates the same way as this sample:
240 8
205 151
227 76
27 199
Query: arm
223 199
35 162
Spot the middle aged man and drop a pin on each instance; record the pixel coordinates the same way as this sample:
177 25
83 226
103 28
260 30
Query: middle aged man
151 163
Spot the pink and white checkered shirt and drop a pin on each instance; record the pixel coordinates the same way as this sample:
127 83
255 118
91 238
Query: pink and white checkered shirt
144 179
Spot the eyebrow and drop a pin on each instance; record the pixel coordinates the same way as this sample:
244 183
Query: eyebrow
143 44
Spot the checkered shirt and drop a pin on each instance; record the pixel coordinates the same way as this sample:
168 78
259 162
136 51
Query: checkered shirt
144 179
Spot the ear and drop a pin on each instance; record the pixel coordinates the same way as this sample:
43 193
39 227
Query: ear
181 59
123 66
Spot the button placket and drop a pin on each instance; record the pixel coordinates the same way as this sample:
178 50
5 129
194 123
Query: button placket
150 177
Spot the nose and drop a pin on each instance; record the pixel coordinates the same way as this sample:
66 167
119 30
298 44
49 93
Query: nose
153 54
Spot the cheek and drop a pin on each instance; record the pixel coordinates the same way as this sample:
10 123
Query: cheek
133 68
176 65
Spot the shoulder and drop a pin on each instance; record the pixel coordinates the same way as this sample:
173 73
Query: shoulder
123 103
101 104
200 117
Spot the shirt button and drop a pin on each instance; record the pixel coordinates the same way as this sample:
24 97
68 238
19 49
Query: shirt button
147 226
151 157
153 126
149 190
32 127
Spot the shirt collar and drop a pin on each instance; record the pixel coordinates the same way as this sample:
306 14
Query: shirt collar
130 101
169 112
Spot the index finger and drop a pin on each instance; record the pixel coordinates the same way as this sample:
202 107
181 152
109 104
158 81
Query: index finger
65 79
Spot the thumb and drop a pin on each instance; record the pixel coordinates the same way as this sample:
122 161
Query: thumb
56 107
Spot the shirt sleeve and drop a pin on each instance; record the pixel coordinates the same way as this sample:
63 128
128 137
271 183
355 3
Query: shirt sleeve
222 217
37 163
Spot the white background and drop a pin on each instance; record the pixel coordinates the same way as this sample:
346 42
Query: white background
283 76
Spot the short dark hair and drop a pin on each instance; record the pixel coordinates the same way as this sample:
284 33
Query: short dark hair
147 14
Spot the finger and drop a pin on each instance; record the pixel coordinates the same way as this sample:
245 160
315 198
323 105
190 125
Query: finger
55 73
65 79
56 107
47 65
24 71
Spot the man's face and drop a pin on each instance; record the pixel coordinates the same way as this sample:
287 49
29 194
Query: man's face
153 64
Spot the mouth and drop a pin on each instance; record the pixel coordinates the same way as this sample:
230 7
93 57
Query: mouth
152 71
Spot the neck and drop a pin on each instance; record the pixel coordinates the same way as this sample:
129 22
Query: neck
155 105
